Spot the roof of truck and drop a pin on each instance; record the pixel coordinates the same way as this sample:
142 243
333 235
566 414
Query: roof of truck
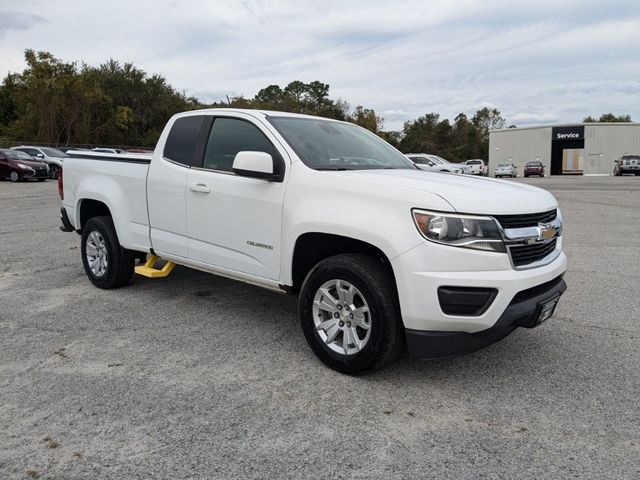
251 111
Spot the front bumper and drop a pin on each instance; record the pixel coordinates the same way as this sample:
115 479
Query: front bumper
34 173
522 311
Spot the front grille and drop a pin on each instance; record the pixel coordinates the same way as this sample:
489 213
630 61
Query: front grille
525 254
527 219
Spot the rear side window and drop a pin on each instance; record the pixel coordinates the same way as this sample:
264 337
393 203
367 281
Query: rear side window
228 137
183 138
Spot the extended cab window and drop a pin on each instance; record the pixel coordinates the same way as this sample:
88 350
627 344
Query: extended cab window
228 137
183 138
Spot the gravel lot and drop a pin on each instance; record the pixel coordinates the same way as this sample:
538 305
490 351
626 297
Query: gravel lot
202 377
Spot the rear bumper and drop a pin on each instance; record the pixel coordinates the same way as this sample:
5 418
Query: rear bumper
522 311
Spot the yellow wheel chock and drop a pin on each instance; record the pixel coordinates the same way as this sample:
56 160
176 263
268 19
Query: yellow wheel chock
149 270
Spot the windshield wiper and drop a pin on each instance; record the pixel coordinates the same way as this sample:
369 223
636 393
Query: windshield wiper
334 169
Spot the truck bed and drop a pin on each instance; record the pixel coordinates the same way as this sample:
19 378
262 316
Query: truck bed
117 180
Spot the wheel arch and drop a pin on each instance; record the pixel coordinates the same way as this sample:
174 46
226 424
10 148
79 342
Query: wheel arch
88 208
312 247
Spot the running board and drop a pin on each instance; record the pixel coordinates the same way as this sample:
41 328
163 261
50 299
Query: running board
149 270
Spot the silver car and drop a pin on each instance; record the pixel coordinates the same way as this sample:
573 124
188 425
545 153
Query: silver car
505 169
433 163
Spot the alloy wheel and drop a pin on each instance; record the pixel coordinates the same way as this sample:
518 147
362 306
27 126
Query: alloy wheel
342 317
96 252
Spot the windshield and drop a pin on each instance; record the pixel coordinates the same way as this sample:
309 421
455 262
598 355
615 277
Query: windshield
474 162
631 157
327 145
17 155
534 164
53 152
438 159
504 165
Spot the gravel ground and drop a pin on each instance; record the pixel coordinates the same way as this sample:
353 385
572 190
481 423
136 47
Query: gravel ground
195 376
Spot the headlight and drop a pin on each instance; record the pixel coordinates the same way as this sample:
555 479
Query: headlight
23 166
466 231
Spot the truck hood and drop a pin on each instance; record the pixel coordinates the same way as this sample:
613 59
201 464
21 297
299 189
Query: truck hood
465 194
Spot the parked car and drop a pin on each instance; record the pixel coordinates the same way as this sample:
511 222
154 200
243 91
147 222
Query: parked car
477 167
534 168
51 156
443 161
17 165
377 251
107 150
505 169
139 150
627 164
432 163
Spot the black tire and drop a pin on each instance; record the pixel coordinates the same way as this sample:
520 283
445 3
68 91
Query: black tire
14 176
374 280
53 171
120 262
41 179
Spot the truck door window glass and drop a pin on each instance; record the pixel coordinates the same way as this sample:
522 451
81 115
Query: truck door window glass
228 137
183 138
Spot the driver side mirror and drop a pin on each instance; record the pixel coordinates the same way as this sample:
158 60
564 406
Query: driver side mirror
254 165
39 155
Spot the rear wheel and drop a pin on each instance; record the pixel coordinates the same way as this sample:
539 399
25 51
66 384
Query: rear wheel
14 176
350 315
106 263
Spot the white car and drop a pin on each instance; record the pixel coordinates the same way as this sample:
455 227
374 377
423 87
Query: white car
51 156
380 254
107 150
477 167
433 163
505 169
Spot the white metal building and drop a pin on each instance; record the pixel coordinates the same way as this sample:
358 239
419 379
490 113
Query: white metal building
578 149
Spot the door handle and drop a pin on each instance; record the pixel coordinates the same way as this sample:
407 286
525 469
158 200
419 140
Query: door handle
199 187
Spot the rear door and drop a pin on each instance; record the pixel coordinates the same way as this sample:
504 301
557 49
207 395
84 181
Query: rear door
166 185
234 222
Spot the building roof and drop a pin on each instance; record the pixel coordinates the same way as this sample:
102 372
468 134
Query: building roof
534 127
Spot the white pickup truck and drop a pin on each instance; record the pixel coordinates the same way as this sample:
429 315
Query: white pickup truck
382 254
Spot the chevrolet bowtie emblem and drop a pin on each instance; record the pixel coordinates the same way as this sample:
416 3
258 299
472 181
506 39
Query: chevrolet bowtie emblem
548 232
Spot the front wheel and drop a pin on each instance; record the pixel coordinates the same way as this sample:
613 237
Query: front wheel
14 176
54 171
106 263
350 315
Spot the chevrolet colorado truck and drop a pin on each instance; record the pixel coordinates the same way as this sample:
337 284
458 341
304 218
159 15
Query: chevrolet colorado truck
383 255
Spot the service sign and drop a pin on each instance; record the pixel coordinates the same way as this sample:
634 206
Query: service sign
568 133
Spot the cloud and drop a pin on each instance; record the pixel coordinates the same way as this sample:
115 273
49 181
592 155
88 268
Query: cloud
544 61
13 20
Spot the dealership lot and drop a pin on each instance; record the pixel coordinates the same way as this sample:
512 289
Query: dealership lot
199 376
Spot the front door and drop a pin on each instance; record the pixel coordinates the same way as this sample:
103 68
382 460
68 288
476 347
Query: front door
234 222
4 166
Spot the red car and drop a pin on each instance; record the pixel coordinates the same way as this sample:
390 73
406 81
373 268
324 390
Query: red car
17 165
534 168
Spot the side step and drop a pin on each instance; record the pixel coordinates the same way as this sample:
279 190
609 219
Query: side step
149 270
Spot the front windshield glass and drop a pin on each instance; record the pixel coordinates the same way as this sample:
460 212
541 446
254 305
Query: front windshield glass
327 145
17 155
438 159
533 164
503 165
53 152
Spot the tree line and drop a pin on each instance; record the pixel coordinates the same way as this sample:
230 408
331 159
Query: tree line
62 103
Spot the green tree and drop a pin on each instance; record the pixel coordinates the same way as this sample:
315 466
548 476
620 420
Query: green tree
608 118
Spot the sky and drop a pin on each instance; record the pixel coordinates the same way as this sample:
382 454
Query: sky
538 62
